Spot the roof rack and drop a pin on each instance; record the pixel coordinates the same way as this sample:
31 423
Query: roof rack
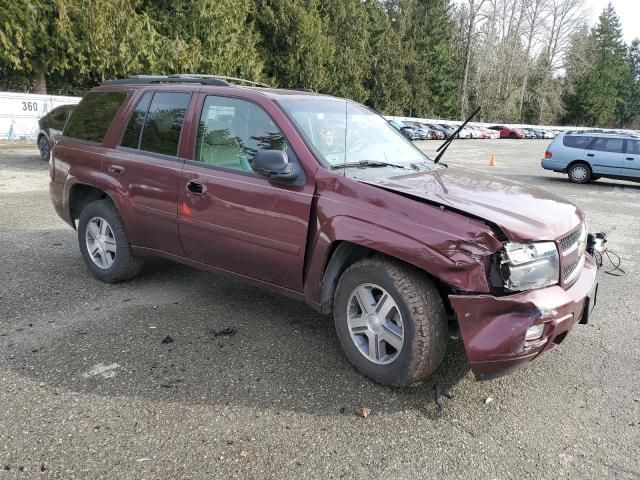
217 80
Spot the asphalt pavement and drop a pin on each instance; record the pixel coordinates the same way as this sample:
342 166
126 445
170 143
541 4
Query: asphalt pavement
250 384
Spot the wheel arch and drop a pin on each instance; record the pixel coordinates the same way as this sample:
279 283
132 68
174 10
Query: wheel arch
574 162
344 253
80 195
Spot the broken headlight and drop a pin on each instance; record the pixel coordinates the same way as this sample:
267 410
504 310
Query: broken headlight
531 265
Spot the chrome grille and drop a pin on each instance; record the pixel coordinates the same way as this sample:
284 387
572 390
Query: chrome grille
567 242
568 270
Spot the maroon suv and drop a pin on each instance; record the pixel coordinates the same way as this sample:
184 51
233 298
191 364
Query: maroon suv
321 199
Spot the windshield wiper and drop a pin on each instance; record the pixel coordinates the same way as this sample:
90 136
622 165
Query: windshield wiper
368 163
443 148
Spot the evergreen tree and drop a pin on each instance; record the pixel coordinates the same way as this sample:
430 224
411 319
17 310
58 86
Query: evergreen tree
295 43
204 36
436 80
628 111
598 93
388 88
37 39
346 22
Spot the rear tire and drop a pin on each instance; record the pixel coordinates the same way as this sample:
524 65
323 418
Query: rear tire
579 172
45 148
401 334
100 229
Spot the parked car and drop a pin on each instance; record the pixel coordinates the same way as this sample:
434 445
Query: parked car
406 130
449 130
422 132
531 133
476 132
346 215
50 129
585 157
508 132
492 134
440 128
435 134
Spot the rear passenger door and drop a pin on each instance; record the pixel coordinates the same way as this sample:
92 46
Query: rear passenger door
232 218
145 167
631 163
605 154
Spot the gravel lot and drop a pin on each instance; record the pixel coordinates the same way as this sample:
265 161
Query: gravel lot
88 389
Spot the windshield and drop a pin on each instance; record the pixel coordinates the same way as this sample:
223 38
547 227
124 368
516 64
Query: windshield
345 133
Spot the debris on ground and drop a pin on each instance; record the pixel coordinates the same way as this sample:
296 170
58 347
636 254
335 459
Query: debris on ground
488 400
227 332
167 339
342 410
439 400
363 412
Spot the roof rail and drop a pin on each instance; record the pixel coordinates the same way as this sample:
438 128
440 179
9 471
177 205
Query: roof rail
216 80
229 80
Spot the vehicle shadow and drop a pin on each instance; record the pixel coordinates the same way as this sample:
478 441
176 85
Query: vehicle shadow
211 340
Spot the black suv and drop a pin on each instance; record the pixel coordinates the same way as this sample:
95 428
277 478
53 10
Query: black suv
51 126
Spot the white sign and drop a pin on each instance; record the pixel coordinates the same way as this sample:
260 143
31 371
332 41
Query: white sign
20 112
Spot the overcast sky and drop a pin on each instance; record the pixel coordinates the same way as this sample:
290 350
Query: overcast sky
628 11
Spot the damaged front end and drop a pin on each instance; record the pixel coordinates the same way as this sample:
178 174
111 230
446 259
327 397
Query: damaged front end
540 291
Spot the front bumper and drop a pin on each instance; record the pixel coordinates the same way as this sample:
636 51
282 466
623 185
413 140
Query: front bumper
493 328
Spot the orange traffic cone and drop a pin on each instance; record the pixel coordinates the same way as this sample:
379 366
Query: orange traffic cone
492 162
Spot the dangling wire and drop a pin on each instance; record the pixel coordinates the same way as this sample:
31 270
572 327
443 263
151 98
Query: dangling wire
614 260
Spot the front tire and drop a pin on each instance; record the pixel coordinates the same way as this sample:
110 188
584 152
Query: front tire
579 172
104 243
390 321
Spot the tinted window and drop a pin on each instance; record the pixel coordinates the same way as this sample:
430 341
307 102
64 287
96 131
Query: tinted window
92 117
131 136
59 114
633 147
576 142
232 131
163 123
608 145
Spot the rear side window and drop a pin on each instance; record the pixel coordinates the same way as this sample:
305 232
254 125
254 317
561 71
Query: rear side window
93 115
608 145
131 136
633 147
156 123
576 142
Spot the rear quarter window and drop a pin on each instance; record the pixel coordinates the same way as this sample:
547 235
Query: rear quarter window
576 142
91 118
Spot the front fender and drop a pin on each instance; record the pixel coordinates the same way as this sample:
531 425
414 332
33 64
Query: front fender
459 263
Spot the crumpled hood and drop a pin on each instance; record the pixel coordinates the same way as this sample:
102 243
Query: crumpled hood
522 212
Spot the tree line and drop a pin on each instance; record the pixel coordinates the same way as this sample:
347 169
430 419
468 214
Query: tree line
522 61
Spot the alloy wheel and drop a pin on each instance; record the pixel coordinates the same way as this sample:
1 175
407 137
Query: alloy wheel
375 323
101 242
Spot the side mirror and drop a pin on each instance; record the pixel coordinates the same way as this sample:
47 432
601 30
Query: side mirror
273 164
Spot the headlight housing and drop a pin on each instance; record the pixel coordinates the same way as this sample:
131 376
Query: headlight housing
531 265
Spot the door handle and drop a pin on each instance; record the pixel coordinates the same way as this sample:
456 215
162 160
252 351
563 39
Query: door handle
116 169
629 158
590 155
196 188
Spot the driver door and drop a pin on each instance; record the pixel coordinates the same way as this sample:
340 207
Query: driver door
229 216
